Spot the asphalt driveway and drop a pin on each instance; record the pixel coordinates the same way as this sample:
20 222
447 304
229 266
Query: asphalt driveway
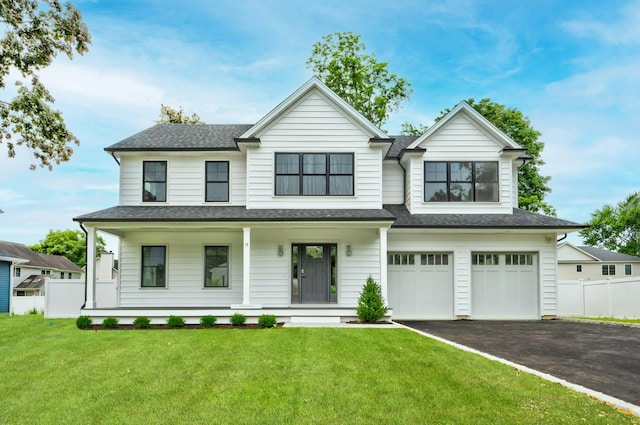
601 357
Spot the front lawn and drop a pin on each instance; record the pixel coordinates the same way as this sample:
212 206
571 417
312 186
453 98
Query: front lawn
611 319
53 373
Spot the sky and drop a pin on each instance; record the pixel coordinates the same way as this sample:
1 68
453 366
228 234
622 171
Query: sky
571 67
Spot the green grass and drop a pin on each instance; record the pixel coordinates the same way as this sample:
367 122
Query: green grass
61 375
611 319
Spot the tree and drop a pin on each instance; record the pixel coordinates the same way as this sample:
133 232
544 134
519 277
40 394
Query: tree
358 78
34 33
532 186
616 228
408 128
68 243
168 115
371 307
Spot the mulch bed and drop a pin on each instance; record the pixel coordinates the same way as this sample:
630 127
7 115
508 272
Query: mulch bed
97 328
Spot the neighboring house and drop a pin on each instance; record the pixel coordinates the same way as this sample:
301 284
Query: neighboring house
106 267
31 286
290 215
7 263
34 263
592 263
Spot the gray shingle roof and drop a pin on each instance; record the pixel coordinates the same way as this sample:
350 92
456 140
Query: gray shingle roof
519 219
36 259
204 213
606 255
33 282
400 143
183 137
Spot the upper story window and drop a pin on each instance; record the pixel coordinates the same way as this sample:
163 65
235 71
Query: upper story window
314 174
608 270
17 271
579 268
461 181
154 181
217 181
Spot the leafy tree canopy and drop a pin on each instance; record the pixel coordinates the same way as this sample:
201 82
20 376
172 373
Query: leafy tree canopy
68 243
532 186
357 77
34 33
616 228
408 128
168 115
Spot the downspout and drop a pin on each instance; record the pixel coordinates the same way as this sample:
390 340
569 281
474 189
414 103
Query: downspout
86 249
114 157
562 238
404 183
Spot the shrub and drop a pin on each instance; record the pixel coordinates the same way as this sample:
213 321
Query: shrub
142 322
208 321
267 321
34 311
110 323
371 306
237 319
84 322
175 322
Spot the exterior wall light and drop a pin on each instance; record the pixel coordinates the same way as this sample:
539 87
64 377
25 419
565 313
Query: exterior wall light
280 250
348 251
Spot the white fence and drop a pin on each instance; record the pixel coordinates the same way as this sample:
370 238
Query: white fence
65 297
600 298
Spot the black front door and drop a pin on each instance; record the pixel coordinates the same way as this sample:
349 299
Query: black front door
312 273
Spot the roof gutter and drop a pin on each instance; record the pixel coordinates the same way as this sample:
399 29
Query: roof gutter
116 159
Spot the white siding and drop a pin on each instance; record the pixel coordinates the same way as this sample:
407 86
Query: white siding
314 124
463 244
460 140
392 183
185 177
184 268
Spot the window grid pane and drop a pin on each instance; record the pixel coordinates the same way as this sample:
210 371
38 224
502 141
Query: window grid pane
154 185
314 178
461 182
217 181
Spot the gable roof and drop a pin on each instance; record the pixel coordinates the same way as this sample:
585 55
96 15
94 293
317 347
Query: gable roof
602 254
477 118
35 259
171 137
313 84
33 282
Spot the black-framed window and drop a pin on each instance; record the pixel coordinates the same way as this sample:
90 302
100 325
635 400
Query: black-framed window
154 176
216 266
217 181
627 270
461 181
608 270
154 262
579 268
314 174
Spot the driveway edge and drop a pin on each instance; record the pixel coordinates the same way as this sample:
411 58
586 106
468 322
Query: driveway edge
613 401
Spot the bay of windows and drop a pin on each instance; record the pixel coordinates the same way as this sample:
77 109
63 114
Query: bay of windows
461 181
314 174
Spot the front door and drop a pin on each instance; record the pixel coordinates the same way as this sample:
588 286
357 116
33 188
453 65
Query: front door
313 273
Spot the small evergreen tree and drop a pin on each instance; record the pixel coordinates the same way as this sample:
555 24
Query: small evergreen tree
371 307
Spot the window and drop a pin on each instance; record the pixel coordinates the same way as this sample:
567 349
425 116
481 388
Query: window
485 259
461 182
217 181
401 259
216 266
314 174
434 259
627 270
45 272
17 271
154 181
68 275
518 259
579 268
154 266
608 270
61 275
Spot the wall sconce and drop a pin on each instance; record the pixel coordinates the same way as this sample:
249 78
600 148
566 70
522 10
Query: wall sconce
348 252
280 250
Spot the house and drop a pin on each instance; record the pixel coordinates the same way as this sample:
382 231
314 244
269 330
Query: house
290 215
592 263
54 266
7 263
30 287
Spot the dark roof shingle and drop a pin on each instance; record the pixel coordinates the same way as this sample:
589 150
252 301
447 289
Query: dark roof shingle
183 137
606 255
36 259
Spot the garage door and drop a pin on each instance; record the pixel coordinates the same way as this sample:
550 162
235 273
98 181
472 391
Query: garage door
504 286
420 285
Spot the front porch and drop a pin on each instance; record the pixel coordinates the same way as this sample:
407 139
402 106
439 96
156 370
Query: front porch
191 315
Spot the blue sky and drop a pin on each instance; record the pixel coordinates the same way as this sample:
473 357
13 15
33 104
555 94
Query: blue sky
572 67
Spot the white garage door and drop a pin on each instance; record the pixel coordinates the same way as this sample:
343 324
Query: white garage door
420 285
504 286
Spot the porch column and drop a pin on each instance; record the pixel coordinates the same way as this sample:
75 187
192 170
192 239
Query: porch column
90 301
246 266
383 262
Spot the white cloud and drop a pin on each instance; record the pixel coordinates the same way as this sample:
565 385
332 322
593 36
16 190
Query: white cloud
625 31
